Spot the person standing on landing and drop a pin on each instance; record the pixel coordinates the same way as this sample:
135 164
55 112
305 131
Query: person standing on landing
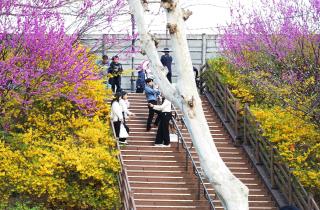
152 95
117 116
104 65
163 135
166 61
115 70
140 83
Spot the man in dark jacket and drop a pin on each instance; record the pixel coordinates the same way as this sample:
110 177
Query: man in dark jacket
166 61
140 83
115 70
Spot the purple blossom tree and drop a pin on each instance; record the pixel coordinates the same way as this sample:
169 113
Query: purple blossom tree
40 58
280 38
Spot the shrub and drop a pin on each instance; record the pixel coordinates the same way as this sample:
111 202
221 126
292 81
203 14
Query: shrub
230 77
297 141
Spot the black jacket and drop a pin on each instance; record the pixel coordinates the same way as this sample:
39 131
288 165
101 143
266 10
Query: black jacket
115 68
166 60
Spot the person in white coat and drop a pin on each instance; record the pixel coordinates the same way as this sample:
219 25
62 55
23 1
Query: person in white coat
163 135
125 104
117 116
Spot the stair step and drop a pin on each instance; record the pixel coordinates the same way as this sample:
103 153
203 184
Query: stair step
171 202
176 196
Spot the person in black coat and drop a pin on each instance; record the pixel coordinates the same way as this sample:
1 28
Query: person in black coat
163 134
115 70
140 83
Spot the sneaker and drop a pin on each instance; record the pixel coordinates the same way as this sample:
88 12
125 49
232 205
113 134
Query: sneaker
166 145
123 142
158 145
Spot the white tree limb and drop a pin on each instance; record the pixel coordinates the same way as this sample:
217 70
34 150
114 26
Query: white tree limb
231 191
148 46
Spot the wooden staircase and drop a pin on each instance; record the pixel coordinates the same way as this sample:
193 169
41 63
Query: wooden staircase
158 176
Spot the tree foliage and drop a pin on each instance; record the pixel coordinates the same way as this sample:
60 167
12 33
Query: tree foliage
56 149
279 40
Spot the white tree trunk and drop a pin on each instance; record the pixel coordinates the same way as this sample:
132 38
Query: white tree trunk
231 191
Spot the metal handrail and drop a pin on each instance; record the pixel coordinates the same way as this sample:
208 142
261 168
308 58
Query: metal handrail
194 166
125 189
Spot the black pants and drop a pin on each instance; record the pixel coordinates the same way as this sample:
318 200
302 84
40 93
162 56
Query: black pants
169 75
116 82
151 114
117 129
163 135
140 90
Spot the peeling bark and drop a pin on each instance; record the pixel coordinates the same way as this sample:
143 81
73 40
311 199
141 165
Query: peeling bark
168 4
186 14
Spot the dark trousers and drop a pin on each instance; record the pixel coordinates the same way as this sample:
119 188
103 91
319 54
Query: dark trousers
117 129
163 135
169 75
115 82
151 114
140 90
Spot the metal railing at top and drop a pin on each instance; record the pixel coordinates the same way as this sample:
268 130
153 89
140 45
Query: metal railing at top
245 127
126 193
200 182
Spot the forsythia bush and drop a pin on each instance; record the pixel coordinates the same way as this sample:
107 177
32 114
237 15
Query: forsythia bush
60 158
297 141
230 77
57 154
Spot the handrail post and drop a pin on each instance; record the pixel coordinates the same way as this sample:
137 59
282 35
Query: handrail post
178 138
236 120
186 161
245 140
289 187
215 79
236 125
257 152
198 178
309 201
225 103
272 167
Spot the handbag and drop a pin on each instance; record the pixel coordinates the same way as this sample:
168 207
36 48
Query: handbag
173 137
123 131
